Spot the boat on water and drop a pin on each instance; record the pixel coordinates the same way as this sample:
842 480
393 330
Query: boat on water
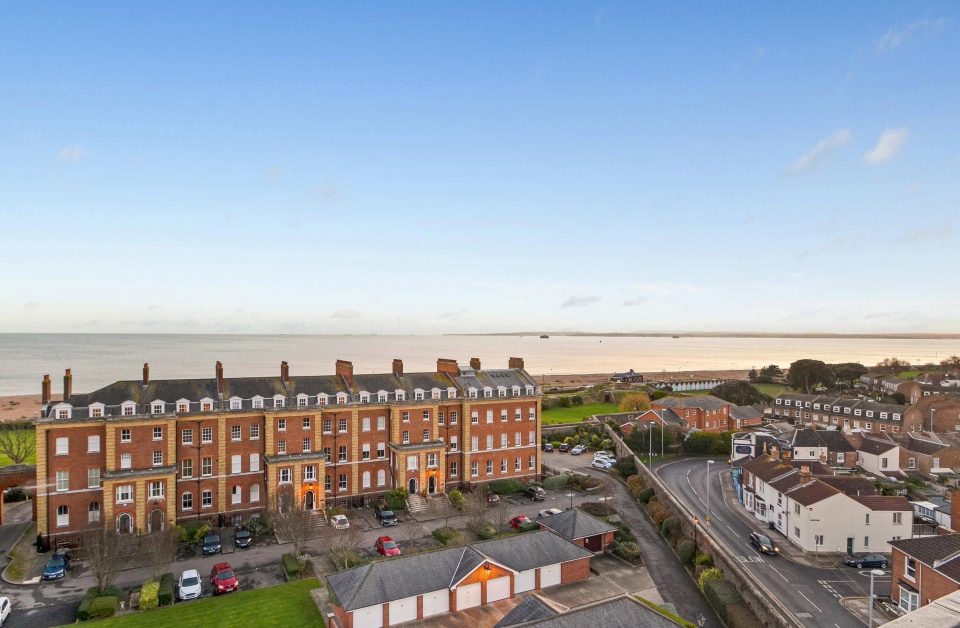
676 336
544 336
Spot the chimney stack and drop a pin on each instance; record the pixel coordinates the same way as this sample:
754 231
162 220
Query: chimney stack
475 364
146 373
398 368
517 363
220 387
284 371
67 385
805 470
345 370
45 389
955 510
448 366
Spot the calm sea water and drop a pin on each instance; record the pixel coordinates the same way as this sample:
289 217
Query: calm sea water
99 359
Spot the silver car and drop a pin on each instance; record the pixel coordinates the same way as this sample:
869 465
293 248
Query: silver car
190 586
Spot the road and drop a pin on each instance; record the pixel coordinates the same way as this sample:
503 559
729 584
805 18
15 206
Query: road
812 593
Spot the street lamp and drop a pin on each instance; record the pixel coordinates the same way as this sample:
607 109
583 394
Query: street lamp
696 522
873 572
652 425
707 522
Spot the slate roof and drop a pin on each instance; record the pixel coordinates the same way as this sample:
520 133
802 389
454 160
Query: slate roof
530 609
576 524
745 412
923 446
875 447
767 468
833 440
622 611
703 402
881 502
932 549
393 579
812 493
850 485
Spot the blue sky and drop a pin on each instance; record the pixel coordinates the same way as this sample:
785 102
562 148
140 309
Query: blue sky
455 167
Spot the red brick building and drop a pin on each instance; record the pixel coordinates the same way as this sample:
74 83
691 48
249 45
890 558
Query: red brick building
705 413
924 569
142 454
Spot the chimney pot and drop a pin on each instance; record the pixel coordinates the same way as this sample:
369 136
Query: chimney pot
285 371
448 366
398 368
67 385
475 364
146 373
45 389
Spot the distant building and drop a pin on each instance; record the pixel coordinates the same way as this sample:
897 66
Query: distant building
843 412
630 377
704 413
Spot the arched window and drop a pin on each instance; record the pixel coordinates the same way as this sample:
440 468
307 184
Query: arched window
125 523
366 479
381 477
93 512
254 492
63 516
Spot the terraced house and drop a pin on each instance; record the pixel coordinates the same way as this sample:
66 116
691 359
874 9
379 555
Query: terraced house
843 412
143 454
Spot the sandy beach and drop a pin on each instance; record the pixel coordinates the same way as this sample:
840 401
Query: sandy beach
19 407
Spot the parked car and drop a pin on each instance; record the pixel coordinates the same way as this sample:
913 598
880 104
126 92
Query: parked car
606 455
518 521
211 544
242 539
387 546
549 512
339 522
547 447
223 579
190 585
535 493
57 566
564 447
493 499
5 609
601 463
866 560
579 449
385 516
763 544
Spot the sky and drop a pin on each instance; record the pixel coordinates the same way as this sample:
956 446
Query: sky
432 167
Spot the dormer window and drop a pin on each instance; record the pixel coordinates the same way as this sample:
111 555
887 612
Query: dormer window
418 394
236 403
64 411
846 410
501 391
341 398
516 391
816 406
128 408
183 406
896 417
302 400
157 407
96 410
364 396
400 395
857 412
883 415
206 405
451 393
278 401
487 392
870 413
382 396
258 402
472 392
434 393
836 408
323 399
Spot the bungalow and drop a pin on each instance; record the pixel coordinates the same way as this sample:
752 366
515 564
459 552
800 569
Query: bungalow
580 529
924 569
393 591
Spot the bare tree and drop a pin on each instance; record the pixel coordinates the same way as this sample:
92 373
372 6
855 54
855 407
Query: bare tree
101 545
18 442
161 548
476 509
343 547
293 522
501 515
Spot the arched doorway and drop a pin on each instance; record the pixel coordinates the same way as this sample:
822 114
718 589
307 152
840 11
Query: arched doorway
156 520
309 501
432 484
124 523
412 486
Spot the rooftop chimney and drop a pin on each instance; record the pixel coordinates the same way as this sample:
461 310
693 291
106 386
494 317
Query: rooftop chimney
804 469
146 373
445 365
475 364
220 387
67 385
285 371
955 510
517 363
45 389
398 368
345 370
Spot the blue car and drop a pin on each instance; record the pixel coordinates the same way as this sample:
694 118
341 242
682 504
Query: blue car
57 566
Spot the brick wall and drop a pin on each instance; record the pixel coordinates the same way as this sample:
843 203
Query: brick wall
575 570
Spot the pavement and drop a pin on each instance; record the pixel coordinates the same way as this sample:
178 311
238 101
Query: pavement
812 588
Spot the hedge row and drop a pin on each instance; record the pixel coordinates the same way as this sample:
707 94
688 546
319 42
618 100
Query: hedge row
149 595
505 486
165 595
85 610
290 565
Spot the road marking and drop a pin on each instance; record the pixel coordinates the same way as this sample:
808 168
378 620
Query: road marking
780 574
811 601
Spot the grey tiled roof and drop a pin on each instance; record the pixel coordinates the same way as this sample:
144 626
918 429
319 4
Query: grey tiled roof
530 609
745 412
620 612
833 440
703 402
576 524
873 446
931 549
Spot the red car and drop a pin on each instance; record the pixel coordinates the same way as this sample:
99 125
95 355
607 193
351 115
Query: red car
223 579
518 521
387 546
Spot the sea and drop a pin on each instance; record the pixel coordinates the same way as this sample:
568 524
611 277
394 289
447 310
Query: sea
99 359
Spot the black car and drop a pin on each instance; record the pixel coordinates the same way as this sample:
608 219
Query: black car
547 447
493 499
535 493
243 539
763 544
211 544
866 560
385 516
564 447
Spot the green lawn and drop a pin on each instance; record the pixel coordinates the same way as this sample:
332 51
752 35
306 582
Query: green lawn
909 374
771 390
4 460
285 605
575 414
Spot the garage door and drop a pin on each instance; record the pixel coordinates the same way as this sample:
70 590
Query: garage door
525 581
498 589
436 603
549 575
468 596
368 617
403 610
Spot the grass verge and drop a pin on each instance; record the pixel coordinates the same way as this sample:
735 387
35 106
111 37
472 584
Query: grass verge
575 414
5 461
22 555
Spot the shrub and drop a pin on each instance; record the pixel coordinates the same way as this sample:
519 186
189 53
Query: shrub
397 498
623 534
626 466
584 482
686 551
660 516
670 527
740 616
333 511
556 444
556 481
104 606
149 594
489 531
563 402
630 551
658 394
710 574
635 485
290 565
576 400
447 536
705 560
529 526
165 595
457 500
597 509
15 494
646 495
257 526
721 595
506 486
194 531
83 611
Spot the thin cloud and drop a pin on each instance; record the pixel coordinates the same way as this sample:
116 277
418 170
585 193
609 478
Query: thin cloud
447 316
925 234
824 148
71 154
889 144
578 301
634 302
346 314
896 37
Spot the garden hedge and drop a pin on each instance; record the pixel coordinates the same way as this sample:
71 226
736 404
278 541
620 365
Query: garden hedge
165 595
290 565
149 595
506 486
686 551
103 606
645 495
